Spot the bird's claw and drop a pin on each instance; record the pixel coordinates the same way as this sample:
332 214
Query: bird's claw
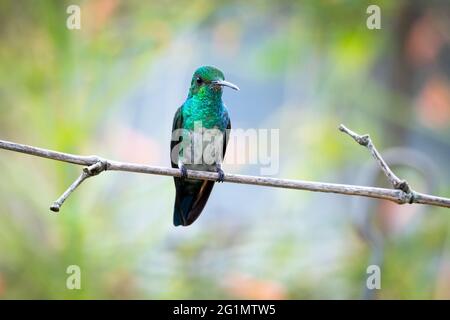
183 172
221 175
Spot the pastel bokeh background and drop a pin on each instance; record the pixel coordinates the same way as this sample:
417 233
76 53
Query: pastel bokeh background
112 88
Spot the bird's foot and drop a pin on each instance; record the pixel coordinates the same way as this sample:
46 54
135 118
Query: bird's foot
221 175
183 172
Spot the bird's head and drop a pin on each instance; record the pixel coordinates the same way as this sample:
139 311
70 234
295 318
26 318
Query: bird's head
208 81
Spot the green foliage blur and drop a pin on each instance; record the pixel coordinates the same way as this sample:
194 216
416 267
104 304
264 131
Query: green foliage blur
111 88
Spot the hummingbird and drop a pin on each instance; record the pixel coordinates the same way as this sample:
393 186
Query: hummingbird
202 109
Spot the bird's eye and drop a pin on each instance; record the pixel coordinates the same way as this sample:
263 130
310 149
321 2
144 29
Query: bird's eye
199 80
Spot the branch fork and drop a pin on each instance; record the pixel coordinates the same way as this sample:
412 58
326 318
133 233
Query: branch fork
90 171
396 182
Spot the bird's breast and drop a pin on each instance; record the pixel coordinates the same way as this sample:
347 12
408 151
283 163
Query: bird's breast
202 148
204 113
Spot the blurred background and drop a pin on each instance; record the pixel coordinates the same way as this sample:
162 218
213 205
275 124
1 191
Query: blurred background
112 88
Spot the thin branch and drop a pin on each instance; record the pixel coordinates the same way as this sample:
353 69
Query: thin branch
97 164
365 141
88 172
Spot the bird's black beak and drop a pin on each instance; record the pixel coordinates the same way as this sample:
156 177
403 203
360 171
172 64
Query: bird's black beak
224 83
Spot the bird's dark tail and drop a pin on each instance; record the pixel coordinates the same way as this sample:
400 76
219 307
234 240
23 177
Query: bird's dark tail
190 199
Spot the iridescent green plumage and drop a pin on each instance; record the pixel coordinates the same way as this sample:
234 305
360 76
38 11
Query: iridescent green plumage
203 106
204 102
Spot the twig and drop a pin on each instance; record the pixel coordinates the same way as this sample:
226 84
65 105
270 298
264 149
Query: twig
88 172
96 165
365 141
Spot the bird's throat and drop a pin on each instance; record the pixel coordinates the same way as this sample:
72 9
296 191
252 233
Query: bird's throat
205 109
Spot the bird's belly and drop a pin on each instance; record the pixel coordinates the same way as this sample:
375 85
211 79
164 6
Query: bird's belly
201 167
202 149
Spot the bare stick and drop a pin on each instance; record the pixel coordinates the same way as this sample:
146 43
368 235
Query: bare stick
397 195
88 172
365 141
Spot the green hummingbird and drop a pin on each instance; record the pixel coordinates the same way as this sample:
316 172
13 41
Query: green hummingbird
202 112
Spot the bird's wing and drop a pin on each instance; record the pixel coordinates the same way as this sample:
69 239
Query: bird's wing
177 124
226 136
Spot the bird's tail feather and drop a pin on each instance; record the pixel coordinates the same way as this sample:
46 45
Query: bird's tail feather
191 197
